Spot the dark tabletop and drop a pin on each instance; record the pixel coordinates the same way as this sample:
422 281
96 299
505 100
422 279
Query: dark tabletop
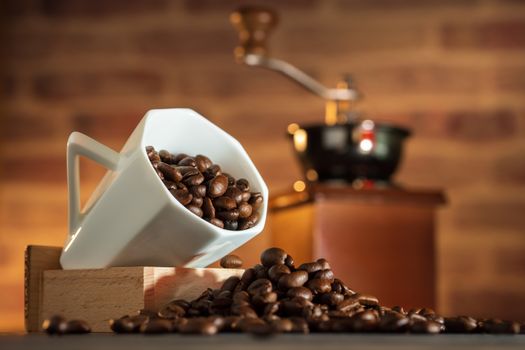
243 341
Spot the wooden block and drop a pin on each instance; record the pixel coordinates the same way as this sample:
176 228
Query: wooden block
97 295
37 259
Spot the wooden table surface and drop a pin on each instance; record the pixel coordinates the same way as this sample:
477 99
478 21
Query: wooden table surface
243 341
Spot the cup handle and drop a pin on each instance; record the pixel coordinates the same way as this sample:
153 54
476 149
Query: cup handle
79 144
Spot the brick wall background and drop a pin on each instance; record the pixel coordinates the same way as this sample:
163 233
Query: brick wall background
453 70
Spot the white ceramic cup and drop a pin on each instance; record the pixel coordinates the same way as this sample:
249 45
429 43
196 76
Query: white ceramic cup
132 219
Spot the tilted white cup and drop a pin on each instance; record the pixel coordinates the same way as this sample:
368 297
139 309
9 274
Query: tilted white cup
132 219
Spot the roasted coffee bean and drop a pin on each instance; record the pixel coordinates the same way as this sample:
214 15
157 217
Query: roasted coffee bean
367 300
325 274
187 171
260 286
172 311
224 203
156 326
276 271
245 224
243 185
324 263
169 172
195 210
282 325
230 225
74 327
197 202
299 325
399 309
296 306
231 179
123 325
231 262
203 326
496 326
273 256
271 308
234 193
311 267
241 296
331 299
394 322
261 299
188 161
365 321
211 172
217 186
202 162
294 279
289 262
217 222
194 180
198 191
180 302
230 283
348 304
154 157
248 277
319 285
166 157
256 200
300 292
460 324
246 196
183 196
53 324
244 311
260 271
429 327
208 210
228 215
178 157
426 312
245 210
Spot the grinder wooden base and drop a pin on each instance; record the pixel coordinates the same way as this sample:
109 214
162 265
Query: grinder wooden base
101 294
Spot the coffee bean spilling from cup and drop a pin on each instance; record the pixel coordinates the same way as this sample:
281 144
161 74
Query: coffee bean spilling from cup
278 297
205 190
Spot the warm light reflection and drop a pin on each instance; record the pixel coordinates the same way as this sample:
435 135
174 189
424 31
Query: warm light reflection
300 139
299 186
330 117
312 175
366 145
292 128
367 125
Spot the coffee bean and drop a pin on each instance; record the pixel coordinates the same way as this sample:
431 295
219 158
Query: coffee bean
324 263
261 299
156 326
201 326
231 262
260 286
310 267
331 299
460 324
53 324
198 191
300 292
172 311
234 193
187 171
276 271
231 225
324 274
183 196
319 285
243 185
241 296
245 210
228 215
282 325
194 180
224 203
212 171
294 279
245 196
208 210
123 325
289 262
202 162
244 311
256 200
197 202
348 304
496 326
178 157
217 186
273 256
394 322
367 300
217 222
248 277
154 157
74 327
169 172
230 283
188 161
231 179
166 157
429 327
195 210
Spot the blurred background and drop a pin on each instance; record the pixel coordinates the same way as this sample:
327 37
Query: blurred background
451 70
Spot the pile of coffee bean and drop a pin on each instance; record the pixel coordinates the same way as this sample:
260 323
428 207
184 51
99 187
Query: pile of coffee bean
205 190
278 297
58 325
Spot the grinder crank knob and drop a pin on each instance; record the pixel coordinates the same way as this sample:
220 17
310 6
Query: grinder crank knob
254 25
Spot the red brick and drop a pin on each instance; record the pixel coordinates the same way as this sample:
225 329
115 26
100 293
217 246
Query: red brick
489 213
34 170
26 126
504 302
509 34
62 85
206 6
88 8
510 79
103 126
509 170
510 262
403 5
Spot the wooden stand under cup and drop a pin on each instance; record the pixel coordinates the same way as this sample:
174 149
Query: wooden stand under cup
101 294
